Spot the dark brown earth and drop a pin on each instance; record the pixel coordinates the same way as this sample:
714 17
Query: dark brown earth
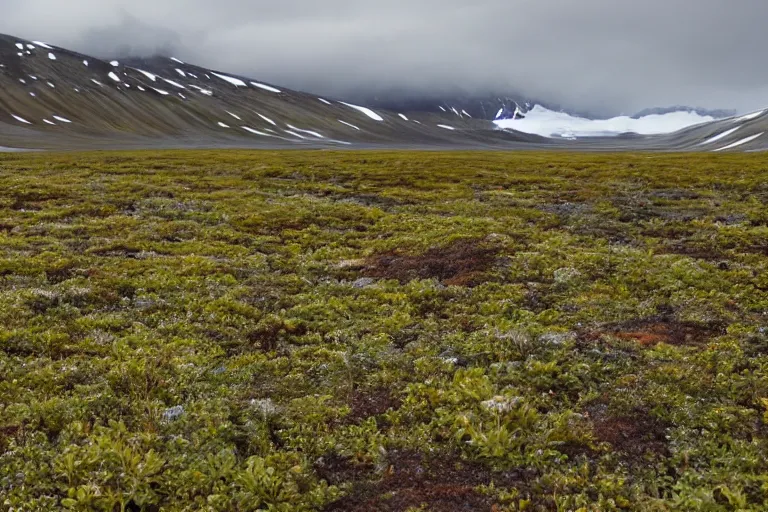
409 479
462 263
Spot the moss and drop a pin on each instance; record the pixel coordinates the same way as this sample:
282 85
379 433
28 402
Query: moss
234 330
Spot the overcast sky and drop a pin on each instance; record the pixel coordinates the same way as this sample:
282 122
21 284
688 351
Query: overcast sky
608 55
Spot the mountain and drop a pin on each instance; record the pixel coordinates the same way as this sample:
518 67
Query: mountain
489 106
717 114
53 98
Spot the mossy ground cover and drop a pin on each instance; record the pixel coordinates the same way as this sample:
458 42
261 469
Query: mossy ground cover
383 331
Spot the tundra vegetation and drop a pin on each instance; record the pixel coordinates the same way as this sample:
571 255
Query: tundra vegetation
388 331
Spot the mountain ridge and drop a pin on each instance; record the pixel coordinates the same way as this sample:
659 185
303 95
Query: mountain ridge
53 98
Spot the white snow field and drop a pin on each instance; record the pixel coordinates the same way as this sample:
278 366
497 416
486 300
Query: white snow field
548 123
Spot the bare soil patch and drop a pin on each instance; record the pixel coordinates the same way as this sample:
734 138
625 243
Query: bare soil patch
462 263
413 480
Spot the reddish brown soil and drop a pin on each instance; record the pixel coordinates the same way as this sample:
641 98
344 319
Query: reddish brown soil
442 484
371 403
651 332
637 435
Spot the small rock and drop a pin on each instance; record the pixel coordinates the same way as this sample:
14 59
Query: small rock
351 264
173 413
363 282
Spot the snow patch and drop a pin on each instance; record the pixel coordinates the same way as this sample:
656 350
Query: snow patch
403 116
265 87
51 56
718 137
48 122
30 46
203 91
446 127
749 117
175 84
325 101
114 63
181 72
349 124
368 112
20 46
742 142
174 59
43 45
234 81
548 123
222 125
148 74
267 119
295 134
140 88
310 132
441 108
62 119
85 63
97 82
466 113
113 76
160 91
255 132
50 84
234 115
20 119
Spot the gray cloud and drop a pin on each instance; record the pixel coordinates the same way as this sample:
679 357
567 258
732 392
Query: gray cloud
606 55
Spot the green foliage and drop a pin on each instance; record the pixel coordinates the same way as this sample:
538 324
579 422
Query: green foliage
329 331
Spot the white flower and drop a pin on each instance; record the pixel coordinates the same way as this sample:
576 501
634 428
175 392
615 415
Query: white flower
265 406
566 275
501 403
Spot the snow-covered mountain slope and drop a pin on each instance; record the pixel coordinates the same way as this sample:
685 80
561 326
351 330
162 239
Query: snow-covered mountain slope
52 98
548 123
